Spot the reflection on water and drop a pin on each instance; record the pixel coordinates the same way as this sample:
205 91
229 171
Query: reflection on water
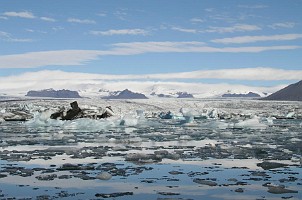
153 158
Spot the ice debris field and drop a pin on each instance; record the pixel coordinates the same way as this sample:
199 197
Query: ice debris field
152 149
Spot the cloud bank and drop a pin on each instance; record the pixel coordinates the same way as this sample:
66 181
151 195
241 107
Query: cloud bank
259 73
80 57
250 39
90 84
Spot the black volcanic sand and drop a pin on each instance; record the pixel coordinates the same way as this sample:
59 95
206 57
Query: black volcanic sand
168 160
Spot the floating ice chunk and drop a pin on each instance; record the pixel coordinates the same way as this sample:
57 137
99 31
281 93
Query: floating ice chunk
170 115
220 125
253 123
187 119
90 124
213 114
140 113
188 112
270 120
129 121
41 118
290 115
295 140
226 134
185 137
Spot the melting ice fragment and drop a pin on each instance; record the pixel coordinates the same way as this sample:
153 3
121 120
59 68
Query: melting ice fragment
290 115
253 123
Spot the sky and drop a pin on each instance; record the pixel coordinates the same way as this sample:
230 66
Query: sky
250 42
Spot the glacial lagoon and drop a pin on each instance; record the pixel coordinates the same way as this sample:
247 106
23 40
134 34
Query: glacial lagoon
153 149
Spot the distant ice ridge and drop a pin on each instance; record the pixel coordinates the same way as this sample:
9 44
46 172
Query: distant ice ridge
133 118
226 114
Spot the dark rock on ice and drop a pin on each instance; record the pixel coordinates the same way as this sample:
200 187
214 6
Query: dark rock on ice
69 167
280 189
3 175
270 165
175 172
204 182
143 158
48 177
168 193
53 93
76 112
112 195
104 176
240 190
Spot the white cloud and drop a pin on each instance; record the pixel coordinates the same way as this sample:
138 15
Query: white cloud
232 29
197 20
282 25
47 19
253 6
251 74
102 14
80 57
184 30
185 47
259 73
2 17
47 58
121 32
8 38
121 14
144 83
81 21
24 14
249 39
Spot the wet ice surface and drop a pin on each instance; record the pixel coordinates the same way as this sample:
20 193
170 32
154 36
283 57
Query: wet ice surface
211 149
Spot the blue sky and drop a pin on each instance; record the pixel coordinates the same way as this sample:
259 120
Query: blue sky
133 37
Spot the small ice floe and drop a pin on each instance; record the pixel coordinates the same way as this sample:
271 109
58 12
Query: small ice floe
290 115
171 115
278 189
253 123
129 120
104 176
270 165
270 120
213 114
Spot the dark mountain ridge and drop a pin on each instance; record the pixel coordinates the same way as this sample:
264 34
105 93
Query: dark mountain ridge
53 93
292 92
250 95
126 94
